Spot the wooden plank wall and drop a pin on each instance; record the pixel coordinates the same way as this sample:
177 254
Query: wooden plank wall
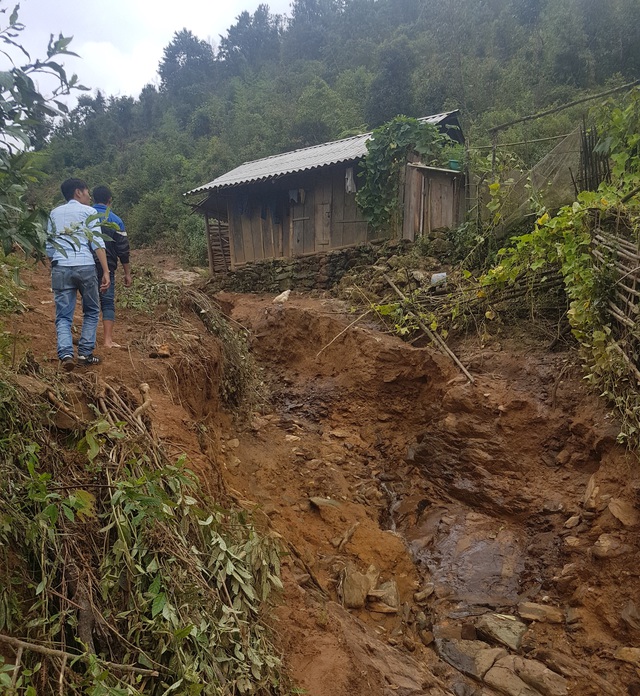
413 203
324 218
348 227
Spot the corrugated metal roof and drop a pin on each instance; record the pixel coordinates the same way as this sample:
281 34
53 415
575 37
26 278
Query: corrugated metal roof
300 160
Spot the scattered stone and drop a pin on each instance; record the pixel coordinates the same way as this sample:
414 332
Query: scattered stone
572 541
630 615
471 657
408 643
421 276
324 502
393 261
553 506
468 632
380 608
162 351
426 637
573 616
234 443
502 628
572 522
591 494
387 593
356 586
421 621
303 579
292 438
608 546
517 676
630 655
624 512
341 434
540 612
424 594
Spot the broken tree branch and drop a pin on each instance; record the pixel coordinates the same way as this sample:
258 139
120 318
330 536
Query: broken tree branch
433 336
335 338
52 652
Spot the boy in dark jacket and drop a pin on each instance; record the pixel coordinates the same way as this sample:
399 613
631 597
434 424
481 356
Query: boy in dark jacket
116 249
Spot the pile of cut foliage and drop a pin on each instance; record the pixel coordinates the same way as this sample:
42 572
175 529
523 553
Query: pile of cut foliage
118 576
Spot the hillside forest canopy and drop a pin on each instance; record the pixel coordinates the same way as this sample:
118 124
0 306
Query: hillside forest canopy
329 69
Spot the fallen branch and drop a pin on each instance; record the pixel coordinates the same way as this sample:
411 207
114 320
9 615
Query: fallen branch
144 390
434 337
62 407
52 652
343 331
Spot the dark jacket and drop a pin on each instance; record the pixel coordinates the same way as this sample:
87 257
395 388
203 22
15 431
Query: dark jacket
118 246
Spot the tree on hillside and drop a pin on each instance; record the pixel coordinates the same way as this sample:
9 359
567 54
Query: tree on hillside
252 41
391 92
186 61
309 28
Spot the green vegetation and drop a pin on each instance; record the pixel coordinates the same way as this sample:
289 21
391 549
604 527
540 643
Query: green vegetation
331 69
383 166
119 575
565 242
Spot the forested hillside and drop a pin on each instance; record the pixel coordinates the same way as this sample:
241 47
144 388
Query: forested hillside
329 69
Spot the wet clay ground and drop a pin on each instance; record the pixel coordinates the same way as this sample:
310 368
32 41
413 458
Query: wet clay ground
441 537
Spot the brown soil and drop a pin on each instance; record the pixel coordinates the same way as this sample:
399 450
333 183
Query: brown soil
374 453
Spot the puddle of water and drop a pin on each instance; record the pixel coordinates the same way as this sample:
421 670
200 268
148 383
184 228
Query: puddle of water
474 558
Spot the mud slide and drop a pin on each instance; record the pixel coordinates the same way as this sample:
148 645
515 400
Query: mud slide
445 538
440 537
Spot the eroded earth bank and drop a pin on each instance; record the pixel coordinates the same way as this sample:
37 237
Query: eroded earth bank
441 537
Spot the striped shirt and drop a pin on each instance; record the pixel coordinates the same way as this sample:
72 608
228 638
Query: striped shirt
67 239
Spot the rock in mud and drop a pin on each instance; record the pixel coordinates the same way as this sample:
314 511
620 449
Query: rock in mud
356 586
471 657
502 628
630 655
590 500
624 512
572 522
424 594
540 612
517 676
387 593
608 546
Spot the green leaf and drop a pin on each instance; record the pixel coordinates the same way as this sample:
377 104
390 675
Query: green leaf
159 604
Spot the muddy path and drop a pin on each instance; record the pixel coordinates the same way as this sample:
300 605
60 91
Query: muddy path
440 537
493 524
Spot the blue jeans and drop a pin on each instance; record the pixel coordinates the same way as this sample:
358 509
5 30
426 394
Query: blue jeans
65 283
108 299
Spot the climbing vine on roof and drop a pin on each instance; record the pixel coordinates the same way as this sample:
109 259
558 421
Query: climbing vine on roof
382 169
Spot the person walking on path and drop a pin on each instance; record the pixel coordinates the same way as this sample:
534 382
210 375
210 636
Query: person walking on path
73 234
117 248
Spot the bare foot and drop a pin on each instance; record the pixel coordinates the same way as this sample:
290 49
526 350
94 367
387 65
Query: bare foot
112 345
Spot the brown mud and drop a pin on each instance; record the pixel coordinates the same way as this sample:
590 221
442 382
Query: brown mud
441 537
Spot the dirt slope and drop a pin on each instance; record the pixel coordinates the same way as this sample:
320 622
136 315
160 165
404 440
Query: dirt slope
430 507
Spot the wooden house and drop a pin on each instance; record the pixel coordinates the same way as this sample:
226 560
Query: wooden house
303 202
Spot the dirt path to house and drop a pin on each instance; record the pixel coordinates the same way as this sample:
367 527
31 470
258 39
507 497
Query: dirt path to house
441 537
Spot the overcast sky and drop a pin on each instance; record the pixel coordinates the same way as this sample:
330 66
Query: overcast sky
121 41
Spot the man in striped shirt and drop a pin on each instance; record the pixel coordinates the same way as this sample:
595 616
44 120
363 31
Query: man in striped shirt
73 233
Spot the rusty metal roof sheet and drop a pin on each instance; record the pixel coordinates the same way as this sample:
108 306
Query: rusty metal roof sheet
300 160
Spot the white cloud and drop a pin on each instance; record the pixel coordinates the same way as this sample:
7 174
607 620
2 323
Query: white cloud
121 41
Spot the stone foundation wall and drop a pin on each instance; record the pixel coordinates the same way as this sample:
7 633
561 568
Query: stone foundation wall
320 271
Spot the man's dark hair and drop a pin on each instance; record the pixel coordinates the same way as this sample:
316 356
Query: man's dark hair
70 186
101 194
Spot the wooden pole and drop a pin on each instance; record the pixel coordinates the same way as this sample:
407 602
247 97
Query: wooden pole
434 337
532 117
209 249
